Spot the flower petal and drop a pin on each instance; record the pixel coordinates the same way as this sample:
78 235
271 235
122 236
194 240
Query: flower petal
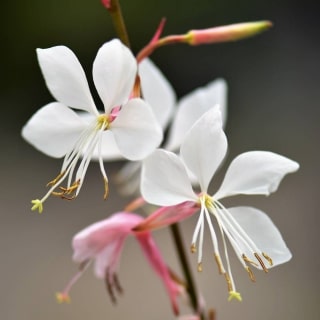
157 263
114 73
65 78
53 129
192 106
136 130
255 172
166 216
157 91
128 178
264 234
164 180
205 146
92 240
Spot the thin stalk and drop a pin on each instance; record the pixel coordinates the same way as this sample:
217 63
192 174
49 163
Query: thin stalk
115 11
176 233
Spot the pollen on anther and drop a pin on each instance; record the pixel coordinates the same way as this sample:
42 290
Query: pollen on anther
193 248
219 263
267 258
261 262
251 274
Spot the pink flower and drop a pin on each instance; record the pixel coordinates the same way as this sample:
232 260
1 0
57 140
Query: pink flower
103 242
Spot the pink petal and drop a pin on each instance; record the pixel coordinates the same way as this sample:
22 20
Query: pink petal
91 241
157 263
167 215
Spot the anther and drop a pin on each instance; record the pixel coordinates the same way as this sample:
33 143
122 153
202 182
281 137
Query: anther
267 258
199 267
246 259
193 248
106 189
63 297
251 275
229 284
55 180
261 262
219 263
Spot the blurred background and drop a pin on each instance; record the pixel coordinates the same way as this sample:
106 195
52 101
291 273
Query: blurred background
273 100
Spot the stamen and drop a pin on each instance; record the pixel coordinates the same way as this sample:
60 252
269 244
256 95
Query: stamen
199 267
193 248
112 282
63 297
106 188
251 274
67 191
229 283
55 180
219 263
267 258
246 259
261 262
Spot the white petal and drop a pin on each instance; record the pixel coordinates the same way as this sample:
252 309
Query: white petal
53 129
128 178
264 234
136 130
114 73
255 172
157 91
164 180
205 146
192 106
65 78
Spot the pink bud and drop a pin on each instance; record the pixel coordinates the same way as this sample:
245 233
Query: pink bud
106 3
227 33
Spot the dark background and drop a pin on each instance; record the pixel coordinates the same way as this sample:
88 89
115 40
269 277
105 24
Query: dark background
274 99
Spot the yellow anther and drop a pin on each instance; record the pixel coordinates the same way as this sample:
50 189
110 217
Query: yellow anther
267 258
229 284
55 180
261 262
106 189
246 259
67 191
37 205
219 263
193 248
63 297
251 274
199 267
234 295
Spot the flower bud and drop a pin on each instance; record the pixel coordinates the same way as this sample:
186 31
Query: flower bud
232 32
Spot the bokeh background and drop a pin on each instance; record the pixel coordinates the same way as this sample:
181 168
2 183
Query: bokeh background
274 103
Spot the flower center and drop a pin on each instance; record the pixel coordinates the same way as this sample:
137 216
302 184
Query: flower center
103 121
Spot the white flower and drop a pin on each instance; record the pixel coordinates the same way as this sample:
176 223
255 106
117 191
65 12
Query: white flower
158 92
165 182
57 130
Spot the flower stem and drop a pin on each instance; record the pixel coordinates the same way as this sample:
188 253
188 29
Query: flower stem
176 233
114 9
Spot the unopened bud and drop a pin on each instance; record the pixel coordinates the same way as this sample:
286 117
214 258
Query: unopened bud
232 32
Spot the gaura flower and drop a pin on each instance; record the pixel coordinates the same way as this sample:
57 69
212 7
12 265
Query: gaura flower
158 92
253 236
103 242
57 130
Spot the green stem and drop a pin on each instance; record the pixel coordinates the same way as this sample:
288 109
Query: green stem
176 233
118 21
